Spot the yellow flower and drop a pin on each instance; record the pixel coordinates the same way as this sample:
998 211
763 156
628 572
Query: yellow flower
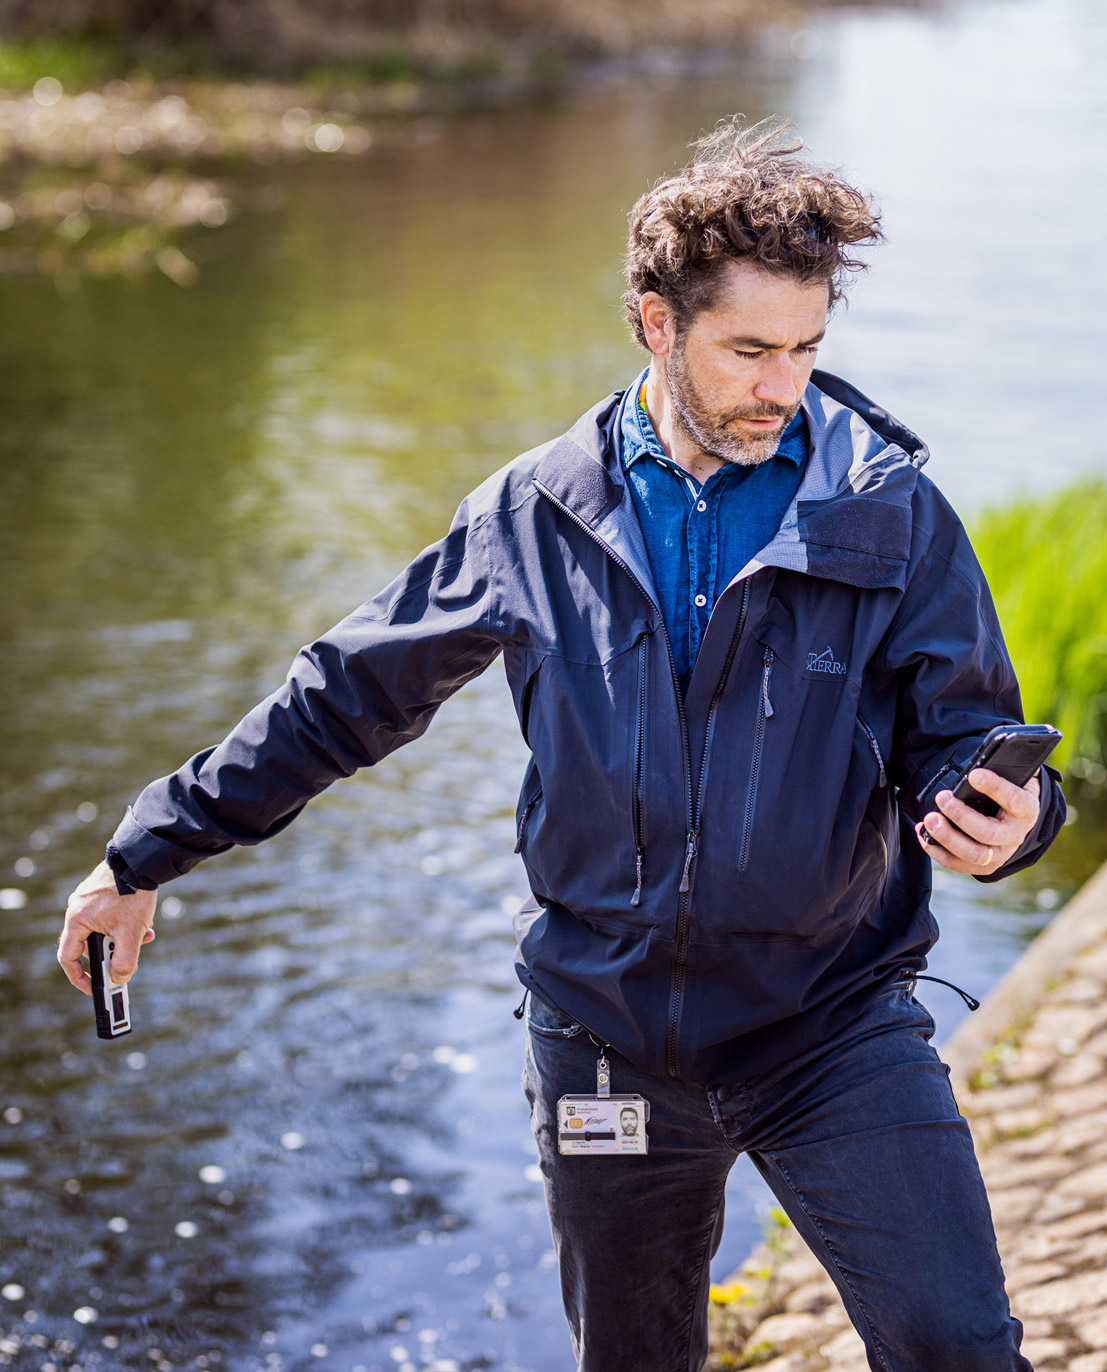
725 1295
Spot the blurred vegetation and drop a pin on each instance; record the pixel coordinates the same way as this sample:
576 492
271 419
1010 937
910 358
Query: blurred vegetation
88 61
84 62
374 41
756 1291
1046 562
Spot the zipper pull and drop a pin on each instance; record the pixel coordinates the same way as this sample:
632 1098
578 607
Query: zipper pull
689 854
523 824
767 704
874 748
638 872
879 760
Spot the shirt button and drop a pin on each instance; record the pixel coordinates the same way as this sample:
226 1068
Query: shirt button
701 505
701 601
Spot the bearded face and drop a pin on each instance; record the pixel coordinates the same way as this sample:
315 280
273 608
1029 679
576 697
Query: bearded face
729 433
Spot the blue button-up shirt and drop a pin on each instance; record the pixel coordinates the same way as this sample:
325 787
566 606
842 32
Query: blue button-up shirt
698 537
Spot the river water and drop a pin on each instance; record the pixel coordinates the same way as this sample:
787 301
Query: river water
313 1151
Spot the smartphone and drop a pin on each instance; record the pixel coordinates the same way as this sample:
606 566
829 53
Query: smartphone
1012 751
113 1009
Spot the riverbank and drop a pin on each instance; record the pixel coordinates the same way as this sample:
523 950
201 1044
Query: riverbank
111 181
1029 1069
119 156
137 173
510 42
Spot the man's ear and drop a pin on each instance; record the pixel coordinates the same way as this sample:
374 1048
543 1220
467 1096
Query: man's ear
657 323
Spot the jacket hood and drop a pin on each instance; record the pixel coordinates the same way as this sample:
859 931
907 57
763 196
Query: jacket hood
850 520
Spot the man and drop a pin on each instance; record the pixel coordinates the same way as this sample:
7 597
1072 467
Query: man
743 634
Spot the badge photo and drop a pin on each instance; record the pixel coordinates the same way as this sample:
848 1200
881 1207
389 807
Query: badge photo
602 1124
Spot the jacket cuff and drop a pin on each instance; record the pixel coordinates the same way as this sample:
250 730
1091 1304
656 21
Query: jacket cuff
1051 818
141 859
917 798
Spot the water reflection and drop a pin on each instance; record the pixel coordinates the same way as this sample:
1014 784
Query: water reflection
313 1152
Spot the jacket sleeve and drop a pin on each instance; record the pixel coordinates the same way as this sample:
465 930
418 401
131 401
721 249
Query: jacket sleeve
370 684
954 679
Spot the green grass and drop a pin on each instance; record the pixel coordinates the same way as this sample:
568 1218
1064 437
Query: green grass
1046 562
85 63
76 64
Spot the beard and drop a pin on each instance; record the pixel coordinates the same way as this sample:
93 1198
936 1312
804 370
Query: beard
709 429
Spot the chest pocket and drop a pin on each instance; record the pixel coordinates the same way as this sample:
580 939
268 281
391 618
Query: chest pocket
797 849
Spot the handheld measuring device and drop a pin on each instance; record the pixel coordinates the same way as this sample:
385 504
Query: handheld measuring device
113 1010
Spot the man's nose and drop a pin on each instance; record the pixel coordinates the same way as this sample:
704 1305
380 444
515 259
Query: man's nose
779 382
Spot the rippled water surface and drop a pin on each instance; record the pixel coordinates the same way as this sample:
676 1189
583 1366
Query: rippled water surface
313 1151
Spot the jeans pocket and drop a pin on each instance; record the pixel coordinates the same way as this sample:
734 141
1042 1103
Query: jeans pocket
550 1022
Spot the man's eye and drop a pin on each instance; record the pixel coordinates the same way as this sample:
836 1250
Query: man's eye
760 352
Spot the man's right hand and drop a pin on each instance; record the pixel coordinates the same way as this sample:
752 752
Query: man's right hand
96 907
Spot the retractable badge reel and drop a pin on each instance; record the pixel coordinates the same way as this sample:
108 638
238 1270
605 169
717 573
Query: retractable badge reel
603 1123
113 1008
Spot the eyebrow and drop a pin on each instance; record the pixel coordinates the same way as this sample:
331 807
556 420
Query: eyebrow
775 347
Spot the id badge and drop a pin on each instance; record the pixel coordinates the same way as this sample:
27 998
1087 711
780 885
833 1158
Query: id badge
602 1124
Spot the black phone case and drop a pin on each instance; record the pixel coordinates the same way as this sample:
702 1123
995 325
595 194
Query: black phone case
1014 752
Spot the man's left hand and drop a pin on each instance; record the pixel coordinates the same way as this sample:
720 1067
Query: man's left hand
964 840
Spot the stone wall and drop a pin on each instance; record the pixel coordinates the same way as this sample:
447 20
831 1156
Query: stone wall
1029 1069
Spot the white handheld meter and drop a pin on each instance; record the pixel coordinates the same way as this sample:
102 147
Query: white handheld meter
113 1010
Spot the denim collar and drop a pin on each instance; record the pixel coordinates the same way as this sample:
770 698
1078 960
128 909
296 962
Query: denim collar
637 437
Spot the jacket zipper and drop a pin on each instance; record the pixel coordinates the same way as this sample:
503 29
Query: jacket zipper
680 947
764 712
875 746
684 905
639 748
685 751
527 808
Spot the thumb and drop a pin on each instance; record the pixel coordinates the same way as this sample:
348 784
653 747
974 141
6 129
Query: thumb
124 956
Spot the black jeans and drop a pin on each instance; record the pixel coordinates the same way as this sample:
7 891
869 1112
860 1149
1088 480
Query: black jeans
862 1143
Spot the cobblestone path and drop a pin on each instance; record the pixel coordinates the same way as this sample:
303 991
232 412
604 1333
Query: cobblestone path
1030 1073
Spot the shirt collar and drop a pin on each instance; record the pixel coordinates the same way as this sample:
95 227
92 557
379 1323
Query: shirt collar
638 438
793 441
636 428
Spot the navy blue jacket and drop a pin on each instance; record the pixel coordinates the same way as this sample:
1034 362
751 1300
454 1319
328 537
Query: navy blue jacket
718 883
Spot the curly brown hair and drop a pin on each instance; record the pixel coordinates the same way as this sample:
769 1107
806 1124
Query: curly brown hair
744 197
